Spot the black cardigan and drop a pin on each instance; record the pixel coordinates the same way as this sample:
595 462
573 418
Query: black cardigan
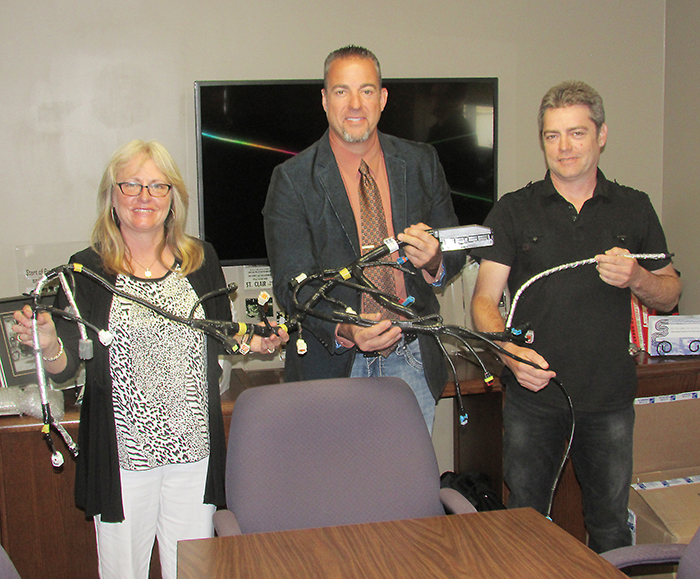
97 481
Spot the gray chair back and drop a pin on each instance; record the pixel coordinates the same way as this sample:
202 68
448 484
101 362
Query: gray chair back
329 452
689 565
7 569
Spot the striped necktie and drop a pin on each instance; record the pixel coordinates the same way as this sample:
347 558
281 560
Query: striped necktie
373 233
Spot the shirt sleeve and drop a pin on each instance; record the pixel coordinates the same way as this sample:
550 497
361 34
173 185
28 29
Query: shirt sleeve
501 223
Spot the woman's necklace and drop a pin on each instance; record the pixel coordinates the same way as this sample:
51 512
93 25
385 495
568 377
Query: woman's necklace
147 270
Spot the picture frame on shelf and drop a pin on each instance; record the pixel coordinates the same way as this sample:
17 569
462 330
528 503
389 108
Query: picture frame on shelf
17 362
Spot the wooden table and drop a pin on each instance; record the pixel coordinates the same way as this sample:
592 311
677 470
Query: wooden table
519 543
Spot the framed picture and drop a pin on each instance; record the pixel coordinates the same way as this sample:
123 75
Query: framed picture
16 359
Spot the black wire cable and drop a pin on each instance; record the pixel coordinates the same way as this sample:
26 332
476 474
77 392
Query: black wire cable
223 331
463 416
229 289
67 316
567 451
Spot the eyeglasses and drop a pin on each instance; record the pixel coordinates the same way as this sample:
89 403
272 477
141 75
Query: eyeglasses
154 189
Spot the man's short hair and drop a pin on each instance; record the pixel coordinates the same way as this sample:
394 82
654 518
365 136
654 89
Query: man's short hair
351 51
570 93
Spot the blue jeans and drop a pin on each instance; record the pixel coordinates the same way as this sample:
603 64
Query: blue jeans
534 443
405 363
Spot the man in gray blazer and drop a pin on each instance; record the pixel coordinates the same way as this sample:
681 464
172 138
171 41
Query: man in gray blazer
312 220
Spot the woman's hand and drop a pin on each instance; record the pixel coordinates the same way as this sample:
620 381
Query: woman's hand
267 345
48 340
51 347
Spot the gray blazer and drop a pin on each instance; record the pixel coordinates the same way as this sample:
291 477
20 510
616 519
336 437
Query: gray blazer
310 226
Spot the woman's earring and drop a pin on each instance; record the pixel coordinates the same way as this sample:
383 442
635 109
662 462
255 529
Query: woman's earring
115 218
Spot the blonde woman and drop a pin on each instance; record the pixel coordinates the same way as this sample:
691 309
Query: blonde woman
152 448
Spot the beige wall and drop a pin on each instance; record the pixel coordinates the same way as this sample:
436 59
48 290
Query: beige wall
681 168
81 77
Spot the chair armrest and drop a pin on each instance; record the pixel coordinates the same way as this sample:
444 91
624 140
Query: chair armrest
455 503
645 554
226 524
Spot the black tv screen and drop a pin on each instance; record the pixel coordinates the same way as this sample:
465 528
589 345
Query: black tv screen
246 128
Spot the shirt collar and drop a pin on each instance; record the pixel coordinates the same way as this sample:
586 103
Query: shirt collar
349 159
601 188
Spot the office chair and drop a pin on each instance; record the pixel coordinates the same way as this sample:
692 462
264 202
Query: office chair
687 556
330 452
7 569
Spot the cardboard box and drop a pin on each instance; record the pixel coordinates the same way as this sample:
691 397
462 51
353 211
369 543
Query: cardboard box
667 509
665 495
674 335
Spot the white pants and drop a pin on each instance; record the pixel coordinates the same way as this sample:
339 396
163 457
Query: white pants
164 502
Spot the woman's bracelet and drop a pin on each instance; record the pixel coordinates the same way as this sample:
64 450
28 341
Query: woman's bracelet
57 356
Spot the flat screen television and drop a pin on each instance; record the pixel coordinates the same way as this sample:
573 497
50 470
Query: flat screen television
246 128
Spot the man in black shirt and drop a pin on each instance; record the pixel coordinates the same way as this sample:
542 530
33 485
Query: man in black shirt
580 316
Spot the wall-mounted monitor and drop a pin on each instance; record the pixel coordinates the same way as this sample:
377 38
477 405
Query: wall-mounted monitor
246 128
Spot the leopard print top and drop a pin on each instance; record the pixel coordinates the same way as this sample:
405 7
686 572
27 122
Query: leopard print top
158 369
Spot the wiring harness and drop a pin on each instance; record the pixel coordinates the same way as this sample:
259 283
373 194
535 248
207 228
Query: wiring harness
321 285
353 276
223 331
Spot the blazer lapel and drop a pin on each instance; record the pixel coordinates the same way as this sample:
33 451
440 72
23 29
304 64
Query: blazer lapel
396 173
328 175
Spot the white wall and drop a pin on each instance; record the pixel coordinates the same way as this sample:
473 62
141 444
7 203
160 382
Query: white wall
81 77
681 170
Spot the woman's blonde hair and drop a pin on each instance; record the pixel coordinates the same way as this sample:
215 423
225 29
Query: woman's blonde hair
107 240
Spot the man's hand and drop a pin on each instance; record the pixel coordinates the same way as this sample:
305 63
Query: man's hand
617 270
372 338
489 287
658 289
531 378
421 248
